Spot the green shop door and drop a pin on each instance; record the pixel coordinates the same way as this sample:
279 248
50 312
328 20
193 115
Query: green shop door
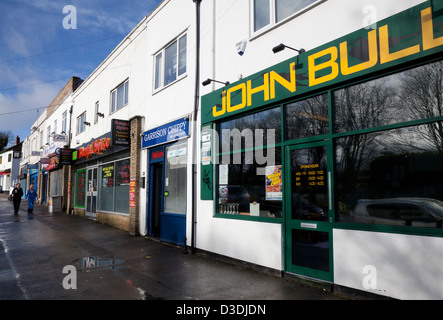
308 237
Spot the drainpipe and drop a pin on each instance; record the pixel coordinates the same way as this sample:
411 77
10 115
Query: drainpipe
194 135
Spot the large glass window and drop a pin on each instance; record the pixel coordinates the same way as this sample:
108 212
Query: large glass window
80 188
249 186
307 118
410 95
175 178
114 186
392 177
250 176
122 178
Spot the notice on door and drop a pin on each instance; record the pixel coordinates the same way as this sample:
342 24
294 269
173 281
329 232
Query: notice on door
310 175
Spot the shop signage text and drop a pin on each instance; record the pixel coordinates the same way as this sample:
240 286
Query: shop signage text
120 132
405 36
167 133
96 147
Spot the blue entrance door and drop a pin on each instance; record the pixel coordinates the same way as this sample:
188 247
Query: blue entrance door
167 193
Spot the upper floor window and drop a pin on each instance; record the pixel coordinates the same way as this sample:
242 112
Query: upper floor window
80 123
119 96
270 12
48 134
170 62
64 121
96 111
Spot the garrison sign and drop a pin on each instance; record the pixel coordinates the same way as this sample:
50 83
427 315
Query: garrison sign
410 35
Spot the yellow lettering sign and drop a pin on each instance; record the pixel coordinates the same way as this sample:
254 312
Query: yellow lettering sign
373 55
332 63
289 85
428 31
385 54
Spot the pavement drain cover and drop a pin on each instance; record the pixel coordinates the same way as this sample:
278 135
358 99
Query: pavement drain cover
88 264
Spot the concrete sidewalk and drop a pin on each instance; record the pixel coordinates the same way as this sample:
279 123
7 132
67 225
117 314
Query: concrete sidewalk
40 253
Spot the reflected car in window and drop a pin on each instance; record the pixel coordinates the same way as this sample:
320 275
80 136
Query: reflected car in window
408 211
235 194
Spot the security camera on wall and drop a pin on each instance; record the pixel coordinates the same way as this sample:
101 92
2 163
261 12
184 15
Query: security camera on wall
241 47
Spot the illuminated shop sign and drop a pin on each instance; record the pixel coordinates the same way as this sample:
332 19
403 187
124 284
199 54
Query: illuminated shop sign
407 36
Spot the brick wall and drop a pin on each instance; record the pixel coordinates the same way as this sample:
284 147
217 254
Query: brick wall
134 212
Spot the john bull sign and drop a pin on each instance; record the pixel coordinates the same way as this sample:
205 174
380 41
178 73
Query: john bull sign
407 36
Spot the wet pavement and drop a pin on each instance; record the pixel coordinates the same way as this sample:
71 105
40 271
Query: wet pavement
54 256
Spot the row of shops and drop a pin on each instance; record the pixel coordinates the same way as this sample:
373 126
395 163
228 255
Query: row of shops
326 165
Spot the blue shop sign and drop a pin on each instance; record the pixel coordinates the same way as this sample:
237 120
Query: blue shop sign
172 131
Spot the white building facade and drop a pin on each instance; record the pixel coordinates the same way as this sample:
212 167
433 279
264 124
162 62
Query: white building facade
323 162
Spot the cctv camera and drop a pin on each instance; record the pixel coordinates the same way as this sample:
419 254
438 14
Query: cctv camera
241 47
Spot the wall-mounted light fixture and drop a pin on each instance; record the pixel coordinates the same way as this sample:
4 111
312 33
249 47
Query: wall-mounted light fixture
208 81
282 47
86 123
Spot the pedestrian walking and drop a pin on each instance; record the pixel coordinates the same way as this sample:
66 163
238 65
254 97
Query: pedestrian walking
31 195
17 194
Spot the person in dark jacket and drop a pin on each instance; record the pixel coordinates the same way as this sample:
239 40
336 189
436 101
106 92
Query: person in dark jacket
17 194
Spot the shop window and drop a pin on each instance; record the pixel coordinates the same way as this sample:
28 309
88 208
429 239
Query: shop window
120 96
249 166
170 62
176 178
270 12
414 94
392 177
80 188
250 187
114 186
55 183
307 118
255 130
122 186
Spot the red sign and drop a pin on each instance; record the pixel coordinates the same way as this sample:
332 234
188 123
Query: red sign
157 155
96 147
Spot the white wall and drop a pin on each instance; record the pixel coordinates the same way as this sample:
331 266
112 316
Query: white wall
407 267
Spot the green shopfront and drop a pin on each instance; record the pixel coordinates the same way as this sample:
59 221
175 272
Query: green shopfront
343 147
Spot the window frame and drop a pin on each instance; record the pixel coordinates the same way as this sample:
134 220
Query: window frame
96 110
159 64
114 97
273 16
81 127
64 121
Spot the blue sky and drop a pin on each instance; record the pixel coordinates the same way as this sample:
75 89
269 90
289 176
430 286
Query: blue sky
39 55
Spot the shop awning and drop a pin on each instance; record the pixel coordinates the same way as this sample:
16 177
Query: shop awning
2 173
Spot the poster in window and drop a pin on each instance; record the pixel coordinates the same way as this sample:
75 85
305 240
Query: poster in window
108 176
274 183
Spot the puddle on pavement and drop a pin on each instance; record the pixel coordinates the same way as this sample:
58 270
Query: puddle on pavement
88 264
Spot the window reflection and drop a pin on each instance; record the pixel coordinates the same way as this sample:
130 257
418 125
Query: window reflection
251 187
411 95
252 131
393 177
307 118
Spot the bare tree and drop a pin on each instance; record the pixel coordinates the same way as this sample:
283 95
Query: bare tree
421 93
